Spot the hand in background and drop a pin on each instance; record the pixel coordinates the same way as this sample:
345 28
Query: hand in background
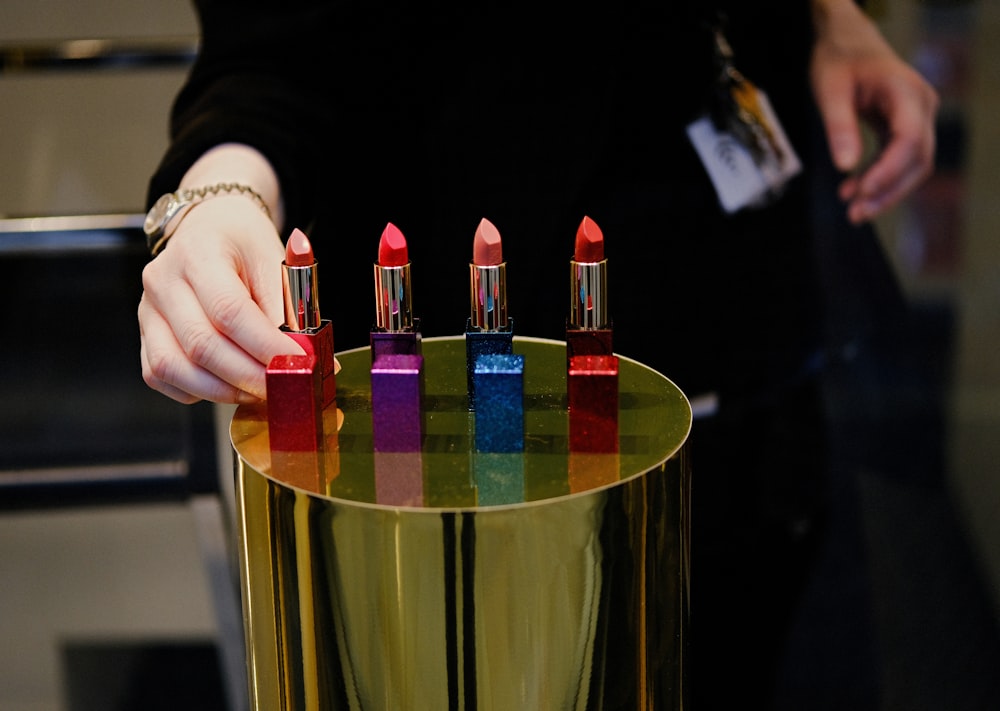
857 76
212 302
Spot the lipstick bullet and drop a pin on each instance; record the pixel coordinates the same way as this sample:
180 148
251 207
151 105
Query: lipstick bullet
300 284
396 330
588 328
489 331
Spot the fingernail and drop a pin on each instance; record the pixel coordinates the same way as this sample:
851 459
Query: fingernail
245 398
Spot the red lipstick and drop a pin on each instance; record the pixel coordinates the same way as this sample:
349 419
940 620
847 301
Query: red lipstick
588 328
397 373
396 331
489 331
300 285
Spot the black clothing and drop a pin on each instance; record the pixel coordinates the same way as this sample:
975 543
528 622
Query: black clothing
433 116
371 116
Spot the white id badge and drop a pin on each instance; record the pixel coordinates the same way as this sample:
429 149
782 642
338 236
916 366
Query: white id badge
740 178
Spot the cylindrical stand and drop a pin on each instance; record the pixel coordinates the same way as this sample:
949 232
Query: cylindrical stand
454 579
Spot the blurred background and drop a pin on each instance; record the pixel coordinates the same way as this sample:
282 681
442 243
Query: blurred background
116 587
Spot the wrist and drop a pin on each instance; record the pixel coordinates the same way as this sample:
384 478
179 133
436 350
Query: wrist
168 212
242 164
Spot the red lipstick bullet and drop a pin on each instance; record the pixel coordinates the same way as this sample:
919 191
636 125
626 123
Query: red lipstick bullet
396 331
588 328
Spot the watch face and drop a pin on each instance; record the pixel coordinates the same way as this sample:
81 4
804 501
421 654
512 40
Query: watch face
158 216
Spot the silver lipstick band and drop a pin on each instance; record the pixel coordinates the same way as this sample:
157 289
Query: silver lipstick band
588 305
301 289
488 296
393 310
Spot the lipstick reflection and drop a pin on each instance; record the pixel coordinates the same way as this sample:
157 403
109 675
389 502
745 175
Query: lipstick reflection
499 478
399 478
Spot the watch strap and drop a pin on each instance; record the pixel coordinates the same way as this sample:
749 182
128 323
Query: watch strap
185 199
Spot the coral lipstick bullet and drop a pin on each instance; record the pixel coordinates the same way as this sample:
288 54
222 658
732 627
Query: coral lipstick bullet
303 322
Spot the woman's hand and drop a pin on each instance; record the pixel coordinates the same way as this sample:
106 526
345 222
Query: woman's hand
212 301
857 76
212 304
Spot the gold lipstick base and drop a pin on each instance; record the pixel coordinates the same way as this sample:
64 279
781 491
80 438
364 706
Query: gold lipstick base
572 594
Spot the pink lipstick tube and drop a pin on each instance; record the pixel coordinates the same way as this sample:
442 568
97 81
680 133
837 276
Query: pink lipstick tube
488 296
489 331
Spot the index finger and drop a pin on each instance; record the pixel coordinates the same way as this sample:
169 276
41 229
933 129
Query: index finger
230 306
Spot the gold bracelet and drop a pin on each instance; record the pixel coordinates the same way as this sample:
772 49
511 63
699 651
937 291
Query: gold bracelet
162 215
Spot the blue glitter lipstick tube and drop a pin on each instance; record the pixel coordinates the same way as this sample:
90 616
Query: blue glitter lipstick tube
499 421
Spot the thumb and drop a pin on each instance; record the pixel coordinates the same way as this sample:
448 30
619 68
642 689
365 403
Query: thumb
265 287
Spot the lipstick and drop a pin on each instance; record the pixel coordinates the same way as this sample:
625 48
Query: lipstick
588 328
396 331
488 279
489 331
300 285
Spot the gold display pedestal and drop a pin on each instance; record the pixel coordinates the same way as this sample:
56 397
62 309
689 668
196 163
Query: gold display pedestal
451 579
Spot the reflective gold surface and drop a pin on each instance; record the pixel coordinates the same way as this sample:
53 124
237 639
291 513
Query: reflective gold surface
450 579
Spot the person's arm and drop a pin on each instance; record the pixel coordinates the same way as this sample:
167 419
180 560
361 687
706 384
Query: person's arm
858 77
249 113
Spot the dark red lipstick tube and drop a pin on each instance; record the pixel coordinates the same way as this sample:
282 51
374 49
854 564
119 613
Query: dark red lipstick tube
293 399
592 403
588 328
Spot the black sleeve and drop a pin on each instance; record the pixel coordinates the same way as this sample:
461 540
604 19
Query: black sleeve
255 82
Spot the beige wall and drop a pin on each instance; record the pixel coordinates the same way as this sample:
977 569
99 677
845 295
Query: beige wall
85 142
80 143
